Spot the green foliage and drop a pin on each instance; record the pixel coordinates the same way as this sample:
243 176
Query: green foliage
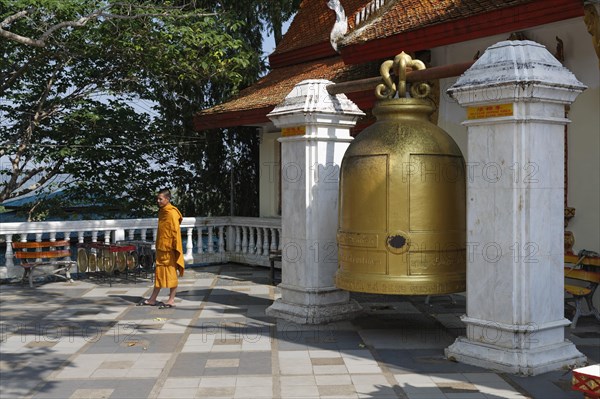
65 110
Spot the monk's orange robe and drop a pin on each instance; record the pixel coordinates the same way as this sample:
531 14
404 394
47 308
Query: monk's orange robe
169 248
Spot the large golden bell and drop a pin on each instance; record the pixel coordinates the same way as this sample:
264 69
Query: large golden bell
402 213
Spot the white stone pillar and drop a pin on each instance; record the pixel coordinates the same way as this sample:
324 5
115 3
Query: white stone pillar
315 134
515 96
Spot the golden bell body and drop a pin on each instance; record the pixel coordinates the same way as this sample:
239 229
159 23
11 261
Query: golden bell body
402 213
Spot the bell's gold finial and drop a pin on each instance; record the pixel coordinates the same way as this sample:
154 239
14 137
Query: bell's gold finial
389 88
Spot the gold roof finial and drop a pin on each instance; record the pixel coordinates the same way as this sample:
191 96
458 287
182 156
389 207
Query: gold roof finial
389 88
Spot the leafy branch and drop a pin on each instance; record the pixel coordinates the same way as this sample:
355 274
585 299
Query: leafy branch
101 12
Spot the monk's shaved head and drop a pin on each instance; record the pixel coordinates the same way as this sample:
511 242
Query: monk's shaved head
165 192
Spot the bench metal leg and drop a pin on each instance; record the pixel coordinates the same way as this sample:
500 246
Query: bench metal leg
579 311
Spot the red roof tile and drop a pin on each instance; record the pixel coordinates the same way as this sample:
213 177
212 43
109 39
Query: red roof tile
265 94
412 25
400 16
311 26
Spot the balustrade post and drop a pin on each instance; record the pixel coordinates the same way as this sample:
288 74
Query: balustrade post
279 246
9 251
80 236
190 244
154 232
10 269
144 234
200 243
131 234
95 236
107 237
259 242
221 240
119 235
38 238
67 237
265 243
238 240
273 240
210 244
251 239
245 239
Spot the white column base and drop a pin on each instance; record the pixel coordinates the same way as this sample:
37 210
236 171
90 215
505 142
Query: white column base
563 355
314 306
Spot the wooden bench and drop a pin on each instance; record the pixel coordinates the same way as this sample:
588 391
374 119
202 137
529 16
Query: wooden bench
46 253
586 271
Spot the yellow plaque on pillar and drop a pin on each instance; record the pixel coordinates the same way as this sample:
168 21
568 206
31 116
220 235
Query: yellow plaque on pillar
293 131
490 111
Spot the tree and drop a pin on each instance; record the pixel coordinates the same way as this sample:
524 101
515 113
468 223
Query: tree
275 13
72 68
223 165
64 90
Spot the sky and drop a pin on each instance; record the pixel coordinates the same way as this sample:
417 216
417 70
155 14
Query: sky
269 41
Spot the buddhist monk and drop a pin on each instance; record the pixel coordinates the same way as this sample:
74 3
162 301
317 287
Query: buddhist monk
169 251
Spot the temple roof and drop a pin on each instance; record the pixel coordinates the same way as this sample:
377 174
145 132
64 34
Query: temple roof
398 16
252 104
377 30
413 25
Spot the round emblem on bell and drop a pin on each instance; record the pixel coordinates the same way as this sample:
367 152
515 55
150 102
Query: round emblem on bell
398 243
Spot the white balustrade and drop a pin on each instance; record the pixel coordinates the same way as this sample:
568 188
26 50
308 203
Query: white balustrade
240 239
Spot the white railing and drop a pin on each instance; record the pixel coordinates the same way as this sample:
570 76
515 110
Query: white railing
206 239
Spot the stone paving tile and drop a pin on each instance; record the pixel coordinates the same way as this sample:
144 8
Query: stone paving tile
299 391
191 382
333 379
218 343
78 389
552 385
254 391
423 361
215 393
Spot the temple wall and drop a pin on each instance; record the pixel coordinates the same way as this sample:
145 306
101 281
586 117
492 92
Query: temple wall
269 175
583 132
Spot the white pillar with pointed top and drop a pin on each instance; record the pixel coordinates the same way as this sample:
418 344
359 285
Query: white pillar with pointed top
315 135
515 96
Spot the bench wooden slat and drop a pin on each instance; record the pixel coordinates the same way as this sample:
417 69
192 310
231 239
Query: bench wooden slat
584 275
42 244
577 290
61 253
588 260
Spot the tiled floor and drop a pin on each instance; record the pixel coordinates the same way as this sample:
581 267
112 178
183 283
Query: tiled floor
89 340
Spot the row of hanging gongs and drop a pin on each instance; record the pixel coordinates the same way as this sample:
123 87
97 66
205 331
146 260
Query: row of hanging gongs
104 260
